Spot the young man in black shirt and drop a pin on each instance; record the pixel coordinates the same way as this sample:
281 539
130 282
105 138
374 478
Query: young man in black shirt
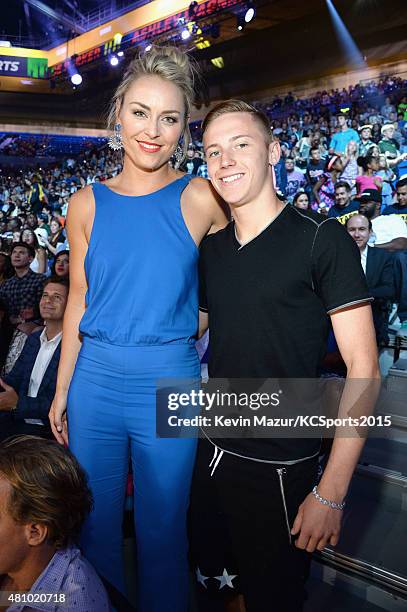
269 283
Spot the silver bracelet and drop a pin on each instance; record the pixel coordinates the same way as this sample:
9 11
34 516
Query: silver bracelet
327 502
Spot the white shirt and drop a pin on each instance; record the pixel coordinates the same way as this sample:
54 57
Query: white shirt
48 348
363 258
387 228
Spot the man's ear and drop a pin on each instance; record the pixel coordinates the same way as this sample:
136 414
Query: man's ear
36 533
274 152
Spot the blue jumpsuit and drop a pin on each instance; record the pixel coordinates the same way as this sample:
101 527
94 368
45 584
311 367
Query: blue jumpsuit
139 325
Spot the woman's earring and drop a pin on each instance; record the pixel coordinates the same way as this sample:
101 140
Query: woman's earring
115 141
178 155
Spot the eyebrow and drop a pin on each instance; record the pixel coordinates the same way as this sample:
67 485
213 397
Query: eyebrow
148 108
231 140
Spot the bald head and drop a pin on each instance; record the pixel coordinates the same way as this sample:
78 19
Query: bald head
360 228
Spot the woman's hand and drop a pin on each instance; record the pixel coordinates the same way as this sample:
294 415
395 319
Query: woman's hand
58 420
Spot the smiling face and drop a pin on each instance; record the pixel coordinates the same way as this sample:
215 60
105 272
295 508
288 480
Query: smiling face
239 158
152 118
358 228
53 302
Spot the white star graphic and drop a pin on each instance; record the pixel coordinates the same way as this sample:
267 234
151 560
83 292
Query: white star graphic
225 580
200 578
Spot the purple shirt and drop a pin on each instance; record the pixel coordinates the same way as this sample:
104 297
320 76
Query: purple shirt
70 574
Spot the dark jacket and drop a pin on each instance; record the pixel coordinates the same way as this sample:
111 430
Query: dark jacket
380 274
19 378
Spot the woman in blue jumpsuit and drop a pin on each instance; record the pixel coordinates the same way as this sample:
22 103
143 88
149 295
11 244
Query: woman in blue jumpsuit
138 323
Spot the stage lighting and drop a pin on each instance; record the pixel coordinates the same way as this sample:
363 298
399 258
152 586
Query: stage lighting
149 47
250 14
121 53
185 34
76 79
240 22
114 60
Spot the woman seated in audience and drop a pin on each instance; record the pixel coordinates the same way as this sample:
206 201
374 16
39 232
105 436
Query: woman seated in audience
56 237
60 267
39 264
301 200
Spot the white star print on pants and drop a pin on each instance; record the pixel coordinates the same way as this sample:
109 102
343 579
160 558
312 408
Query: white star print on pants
226 579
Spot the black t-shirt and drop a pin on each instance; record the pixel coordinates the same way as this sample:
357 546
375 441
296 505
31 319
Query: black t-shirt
268 303
315 171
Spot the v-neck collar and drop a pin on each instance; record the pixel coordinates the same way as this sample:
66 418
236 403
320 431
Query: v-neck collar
243 244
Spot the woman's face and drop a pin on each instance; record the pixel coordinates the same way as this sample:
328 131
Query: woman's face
27 237
62 265
302 201
54 227
16 236
152 120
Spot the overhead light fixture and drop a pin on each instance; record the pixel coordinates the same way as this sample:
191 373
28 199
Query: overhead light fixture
76 79
114 60
185 34
240 23
250 13
121 53
149 46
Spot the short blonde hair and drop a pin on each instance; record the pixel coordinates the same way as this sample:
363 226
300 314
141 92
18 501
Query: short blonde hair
168 63
239 106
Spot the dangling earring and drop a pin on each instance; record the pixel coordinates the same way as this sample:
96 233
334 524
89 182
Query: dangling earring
178 155
115 141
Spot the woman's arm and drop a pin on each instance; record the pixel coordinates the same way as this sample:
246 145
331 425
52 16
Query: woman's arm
42 260
317 187
79 220
50 247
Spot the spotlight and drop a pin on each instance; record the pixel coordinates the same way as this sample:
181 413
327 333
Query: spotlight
149 47
121 53
114 60
240 22
76 79
185 34
250 14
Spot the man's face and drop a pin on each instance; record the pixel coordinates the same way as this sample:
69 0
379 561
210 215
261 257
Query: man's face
368 208
20 258
341 120
342 197
402 195
53 302
289 165
366 134
239 159
358 228
13 542
315 155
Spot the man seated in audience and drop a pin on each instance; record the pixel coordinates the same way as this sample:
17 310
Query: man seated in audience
344 206
400 207
389 232
44 501
378 267
28 390
22 292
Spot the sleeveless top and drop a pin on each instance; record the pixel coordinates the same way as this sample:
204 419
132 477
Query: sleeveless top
142 269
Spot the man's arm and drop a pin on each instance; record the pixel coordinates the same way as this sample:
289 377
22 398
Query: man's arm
397 244
319 524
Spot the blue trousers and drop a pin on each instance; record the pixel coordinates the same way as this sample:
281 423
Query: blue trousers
111 417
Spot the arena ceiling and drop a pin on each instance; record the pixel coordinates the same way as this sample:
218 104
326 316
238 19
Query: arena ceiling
289 41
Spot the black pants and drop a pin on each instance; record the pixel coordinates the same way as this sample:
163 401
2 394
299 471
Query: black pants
239 530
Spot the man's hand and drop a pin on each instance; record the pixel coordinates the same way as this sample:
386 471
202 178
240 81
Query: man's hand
8 399
316 524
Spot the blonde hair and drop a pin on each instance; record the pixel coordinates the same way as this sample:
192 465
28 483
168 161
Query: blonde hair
239 106
168 63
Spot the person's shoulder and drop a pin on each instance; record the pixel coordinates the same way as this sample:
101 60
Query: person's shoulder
216 238
82 574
